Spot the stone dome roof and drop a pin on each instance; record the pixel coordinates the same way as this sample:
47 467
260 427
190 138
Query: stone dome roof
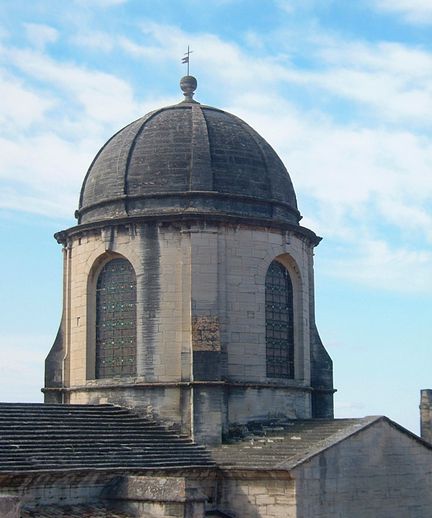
187 159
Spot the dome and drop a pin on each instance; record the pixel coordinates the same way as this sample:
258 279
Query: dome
187 159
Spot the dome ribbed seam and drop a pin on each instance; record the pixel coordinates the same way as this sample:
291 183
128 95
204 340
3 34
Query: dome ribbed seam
95 159
146 118
253 136
200 173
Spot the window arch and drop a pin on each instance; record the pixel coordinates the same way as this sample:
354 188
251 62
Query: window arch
279 320
116 320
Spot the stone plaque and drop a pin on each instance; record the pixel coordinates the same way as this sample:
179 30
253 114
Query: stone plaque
206 333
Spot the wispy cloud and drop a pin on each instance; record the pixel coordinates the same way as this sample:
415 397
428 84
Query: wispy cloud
390 80
290 6
354 170
21 106
103 96
413 11
94 40
40 35
393 79
100 3
378 265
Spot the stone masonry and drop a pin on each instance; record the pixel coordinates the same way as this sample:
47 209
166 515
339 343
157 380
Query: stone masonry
197 284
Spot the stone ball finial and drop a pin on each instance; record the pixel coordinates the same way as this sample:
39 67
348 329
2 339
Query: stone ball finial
188 84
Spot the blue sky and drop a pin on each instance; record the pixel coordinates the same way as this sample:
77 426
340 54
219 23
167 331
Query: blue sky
342 90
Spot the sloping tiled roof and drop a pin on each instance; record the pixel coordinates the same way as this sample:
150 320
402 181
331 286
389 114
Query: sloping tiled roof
38 437
283 446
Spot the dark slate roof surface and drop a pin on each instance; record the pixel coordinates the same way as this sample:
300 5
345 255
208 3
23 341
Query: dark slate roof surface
38 437
187 158
284 445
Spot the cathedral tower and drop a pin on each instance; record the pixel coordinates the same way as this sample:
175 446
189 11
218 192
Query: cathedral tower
188 281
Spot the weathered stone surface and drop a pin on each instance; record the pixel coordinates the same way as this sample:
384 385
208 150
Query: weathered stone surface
426 415
205 333
382 471
282 444
258 498
200 302
10 506
187 157
159 489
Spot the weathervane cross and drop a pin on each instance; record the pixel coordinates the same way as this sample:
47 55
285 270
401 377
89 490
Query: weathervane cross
186 58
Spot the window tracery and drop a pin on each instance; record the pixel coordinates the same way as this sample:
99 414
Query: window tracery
279 322
116 320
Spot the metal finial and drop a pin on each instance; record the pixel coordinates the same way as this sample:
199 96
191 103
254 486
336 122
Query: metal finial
188 85
186 58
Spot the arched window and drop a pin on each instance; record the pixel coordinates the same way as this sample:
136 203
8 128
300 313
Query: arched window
116 320
279 322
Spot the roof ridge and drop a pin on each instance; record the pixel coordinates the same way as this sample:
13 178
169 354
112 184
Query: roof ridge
359 424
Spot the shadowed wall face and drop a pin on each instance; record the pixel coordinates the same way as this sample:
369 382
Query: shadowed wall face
426 415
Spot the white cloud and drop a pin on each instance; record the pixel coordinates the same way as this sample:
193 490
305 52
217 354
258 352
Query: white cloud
140 51
254 40
350 171
354 173
45 151
40 35
376 264
95 40
359 179
290 6
100 3
391 78
414 11
105 97
21 107
388 80
344 408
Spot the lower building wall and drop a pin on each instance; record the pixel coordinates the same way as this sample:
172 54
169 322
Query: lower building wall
262 403
53 489
214 408
137 496
380 472
10 506
261 498
161 509
171 405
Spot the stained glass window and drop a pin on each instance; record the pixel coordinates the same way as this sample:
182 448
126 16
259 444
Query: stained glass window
279 322
116 320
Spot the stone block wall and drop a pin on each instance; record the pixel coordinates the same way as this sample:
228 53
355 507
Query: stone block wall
138 496
9 506
200 320
426 415
249 252
170 497
157 260
264 403
379 472
52 489
258 498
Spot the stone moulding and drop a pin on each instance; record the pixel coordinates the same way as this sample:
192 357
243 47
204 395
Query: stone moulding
202 218
93 385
